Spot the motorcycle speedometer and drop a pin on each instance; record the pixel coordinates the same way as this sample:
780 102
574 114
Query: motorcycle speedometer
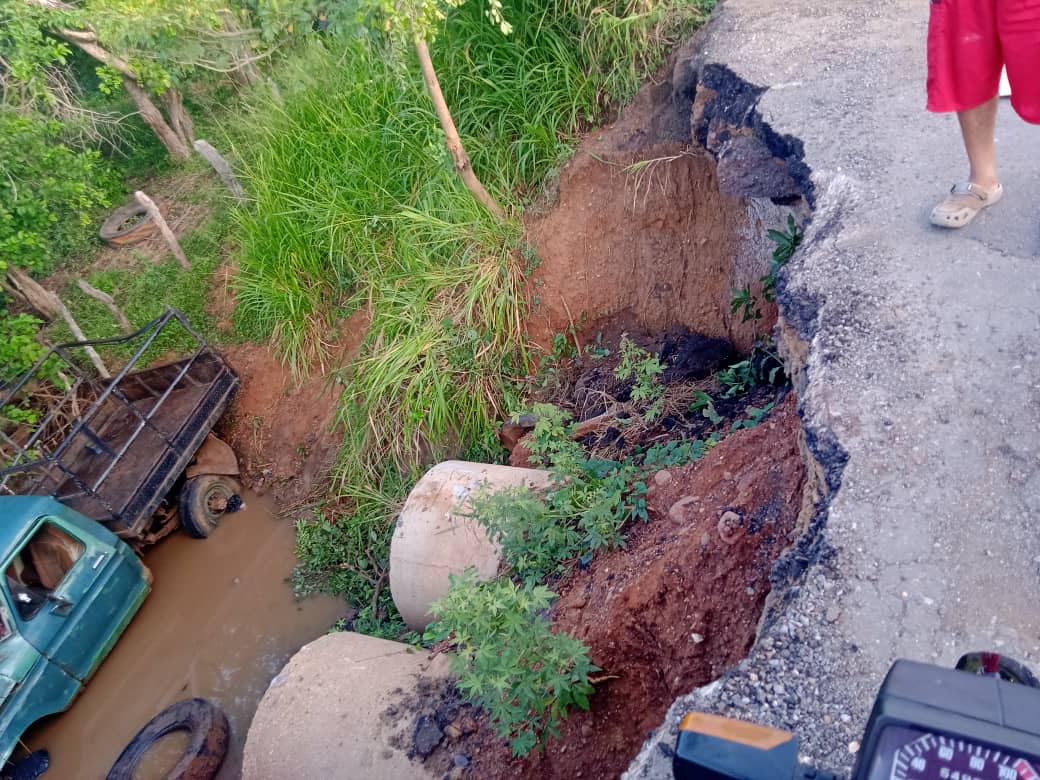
931 723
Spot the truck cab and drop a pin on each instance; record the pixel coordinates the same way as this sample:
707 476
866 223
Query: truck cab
68 591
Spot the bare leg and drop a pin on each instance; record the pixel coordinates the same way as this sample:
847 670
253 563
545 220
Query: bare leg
978 126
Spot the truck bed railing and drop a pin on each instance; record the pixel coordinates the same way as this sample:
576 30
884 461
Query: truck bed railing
32 463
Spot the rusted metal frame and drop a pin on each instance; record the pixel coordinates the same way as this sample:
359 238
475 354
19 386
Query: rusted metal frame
85 489
146 420
43 424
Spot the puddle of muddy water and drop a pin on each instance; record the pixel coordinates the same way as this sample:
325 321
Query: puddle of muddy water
220 622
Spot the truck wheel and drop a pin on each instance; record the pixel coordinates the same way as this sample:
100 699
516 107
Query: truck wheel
204 501
208 726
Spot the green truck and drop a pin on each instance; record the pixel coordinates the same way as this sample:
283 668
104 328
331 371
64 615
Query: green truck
95 467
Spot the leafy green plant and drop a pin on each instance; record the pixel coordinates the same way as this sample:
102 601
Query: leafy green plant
786 244
736 379
551 443
509 661
644 371
706 404
755 415
50 194
543 532
675 452
743 299
583 511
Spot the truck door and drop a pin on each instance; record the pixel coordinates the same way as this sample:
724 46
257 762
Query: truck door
65 599
30 687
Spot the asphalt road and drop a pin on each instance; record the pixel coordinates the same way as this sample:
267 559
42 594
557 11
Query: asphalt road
922 367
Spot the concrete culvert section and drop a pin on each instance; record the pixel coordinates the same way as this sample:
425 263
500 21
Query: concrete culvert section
322 715
436 537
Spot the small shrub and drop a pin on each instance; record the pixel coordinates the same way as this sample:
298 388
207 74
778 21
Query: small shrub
509 661
49 193
644 370
584 510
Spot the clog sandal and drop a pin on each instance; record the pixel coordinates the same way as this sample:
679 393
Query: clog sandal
963 204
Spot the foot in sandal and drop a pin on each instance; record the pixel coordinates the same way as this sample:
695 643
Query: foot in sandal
964 203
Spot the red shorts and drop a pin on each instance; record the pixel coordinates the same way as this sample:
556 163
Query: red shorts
969 41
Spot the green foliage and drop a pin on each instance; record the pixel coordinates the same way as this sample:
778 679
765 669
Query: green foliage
144 290
737 379
50 194
743 299
706 404
509 661
644 371
755 415
384 622
19 349
786 244
675 452
542 532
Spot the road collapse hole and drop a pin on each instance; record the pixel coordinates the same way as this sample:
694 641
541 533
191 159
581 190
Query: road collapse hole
655 233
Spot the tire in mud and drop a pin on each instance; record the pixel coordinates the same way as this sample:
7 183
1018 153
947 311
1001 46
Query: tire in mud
112 231
208 726
203 503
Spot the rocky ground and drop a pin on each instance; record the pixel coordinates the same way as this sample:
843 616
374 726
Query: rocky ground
915 360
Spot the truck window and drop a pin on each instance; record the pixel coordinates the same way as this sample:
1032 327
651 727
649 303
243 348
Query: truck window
40 566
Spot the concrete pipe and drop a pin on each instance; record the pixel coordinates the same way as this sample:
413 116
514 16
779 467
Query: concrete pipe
434 538
325 714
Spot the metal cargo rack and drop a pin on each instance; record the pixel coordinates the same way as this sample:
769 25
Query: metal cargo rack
113 448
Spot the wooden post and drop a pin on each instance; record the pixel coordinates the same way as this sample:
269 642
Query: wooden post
157 218
221 166
106 299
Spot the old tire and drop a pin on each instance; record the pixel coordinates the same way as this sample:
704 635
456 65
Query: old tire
203 503
112 231
208 726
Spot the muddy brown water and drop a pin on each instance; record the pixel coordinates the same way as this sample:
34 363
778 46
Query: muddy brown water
221 621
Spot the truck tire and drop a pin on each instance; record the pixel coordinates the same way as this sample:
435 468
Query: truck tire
114 232
204 501
208 726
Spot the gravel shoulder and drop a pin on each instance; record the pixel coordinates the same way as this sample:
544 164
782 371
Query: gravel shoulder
920 380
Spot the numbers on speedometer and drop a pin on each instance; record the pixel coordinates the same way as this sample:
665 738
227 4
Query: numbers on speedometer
937 757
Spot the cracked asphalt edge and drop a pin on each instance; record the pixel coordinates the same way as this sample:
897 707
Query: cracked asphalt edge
914 359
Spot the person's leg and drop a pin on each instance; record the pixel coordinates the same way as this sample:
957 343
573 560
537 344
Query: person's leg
978 126
964 65
1018 22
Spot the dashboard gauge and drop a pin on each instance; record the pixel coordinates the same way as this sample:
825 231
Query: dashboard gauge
910 754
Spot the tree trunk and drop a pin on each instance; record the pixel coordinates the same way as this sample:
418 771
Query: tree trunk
451 133
20 285
180 119
152 116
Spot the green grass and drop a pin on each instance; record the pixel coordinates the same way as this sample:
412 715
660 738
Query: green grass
144 289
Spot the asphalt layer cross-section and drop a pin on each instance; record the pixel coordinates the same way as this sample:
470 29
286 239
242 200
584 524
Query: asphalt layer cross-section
923 367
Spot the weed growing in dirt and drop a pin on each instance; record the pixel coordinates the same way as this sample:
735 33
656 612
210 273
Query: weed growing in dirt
755 415
509 661
644 371
589 502
744 300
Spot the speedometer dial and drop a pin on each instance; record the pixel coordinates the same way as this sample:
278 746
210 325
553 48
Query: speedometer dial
938 757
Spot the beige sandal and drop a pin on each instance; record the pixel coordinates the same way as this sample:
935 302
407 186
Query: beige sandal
963 204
